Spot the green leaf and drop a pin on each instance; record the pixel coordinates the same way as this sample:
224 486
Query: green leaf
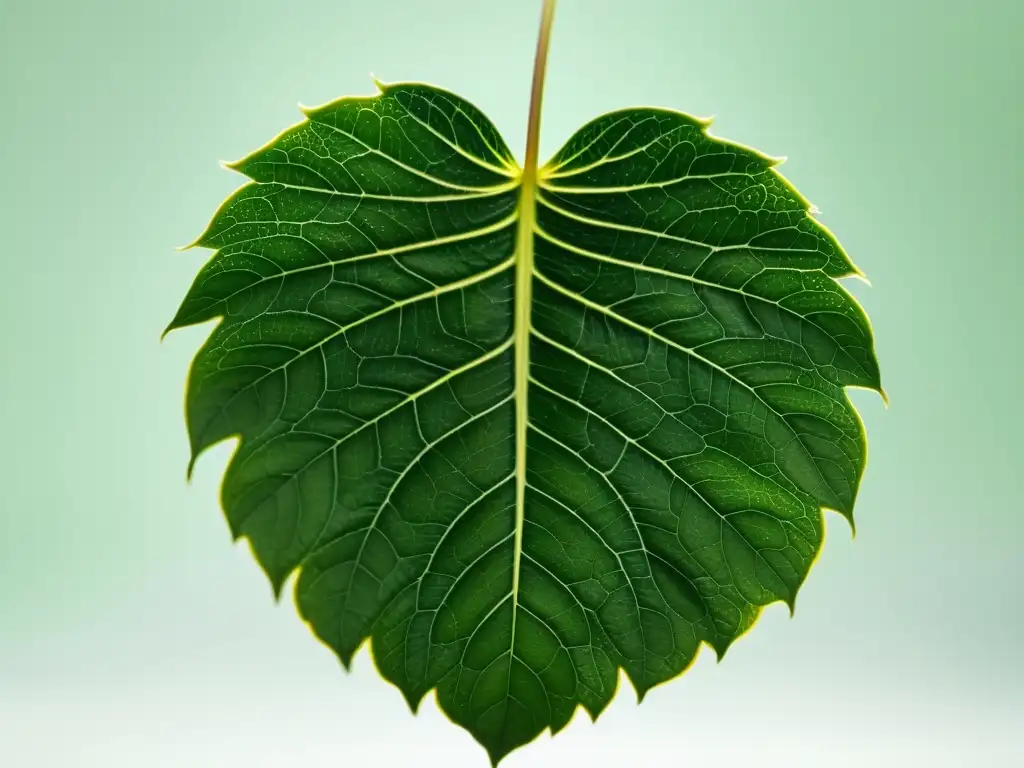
510 496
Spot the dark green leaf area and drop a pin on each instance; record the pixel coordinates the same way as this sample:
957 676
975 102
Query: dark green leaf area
364 284
689 346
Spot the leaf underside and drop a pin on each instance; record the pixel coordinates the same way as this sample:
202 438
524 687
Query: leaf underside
688 348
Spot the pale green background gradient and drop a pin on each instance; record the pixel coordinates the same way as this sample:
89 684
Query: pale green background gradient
132 632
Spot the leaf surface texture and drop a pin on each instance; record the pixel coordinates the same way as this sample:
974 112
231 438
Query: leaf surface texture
688 347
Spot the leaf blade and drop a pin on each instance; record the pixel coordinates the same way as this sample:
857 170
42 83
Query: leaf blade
391 288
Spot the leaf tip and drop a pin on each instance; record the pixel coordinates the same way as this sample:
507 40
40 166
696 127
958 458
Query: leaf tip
640 687
496 755
345 656
885 397
277 589
721 644
860 276
705 122
412 698
381 85
776 161
790 603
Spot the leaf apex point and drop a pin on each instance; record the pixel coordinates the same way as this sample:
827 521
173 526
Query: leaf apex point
721 649
276 584
861 276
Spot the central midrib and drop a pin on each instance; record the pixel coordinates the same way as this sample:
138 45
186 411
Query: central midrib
523 304
524 298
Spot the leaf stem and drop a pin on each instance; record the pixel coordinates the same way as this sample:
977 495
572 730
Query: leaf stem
540 63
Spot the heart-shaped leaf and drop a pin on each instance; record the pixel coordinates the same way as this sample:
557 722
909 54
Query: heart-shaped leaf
523 430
